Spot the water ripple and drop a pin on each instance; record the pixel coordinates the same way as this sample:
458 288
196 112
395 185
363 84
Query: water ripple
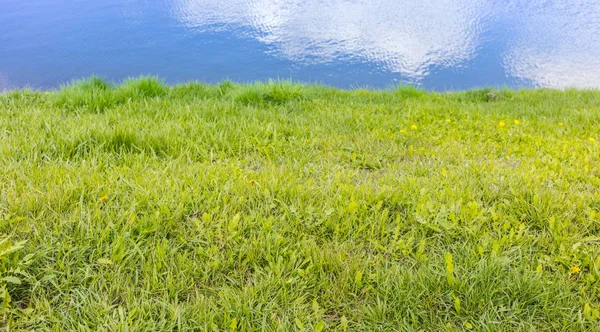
401 37
436 44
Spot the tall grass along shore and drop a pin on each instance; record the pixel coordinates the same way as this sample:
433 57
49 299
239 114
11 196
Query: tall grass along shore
277 206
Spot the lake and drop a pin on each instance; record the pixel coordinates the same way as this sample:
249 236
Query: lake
433 44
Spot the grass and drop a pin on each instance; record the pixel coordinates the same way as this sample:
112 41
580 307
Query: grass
277 206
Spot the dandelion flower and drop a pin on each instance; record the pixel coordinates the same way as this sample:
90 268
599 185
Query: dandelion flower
103 198
560 124
501 123
402 131
591 139
448 120
517 122
413 127
252 181
574 269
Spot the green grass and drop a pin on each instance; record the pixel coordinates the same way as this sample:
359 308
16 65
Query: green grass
278 206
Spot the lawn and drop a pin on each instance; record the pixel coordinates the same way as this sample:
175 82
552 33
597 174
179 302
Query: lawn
279 206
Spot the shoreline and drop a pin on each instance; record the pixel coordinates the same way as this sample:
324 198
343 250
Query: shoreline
299 84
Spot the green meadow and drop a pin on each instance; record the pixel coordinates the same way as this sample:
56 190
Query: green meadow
277 207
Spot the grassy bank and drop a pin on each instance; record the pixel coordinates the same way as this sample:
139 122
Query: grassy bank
279 207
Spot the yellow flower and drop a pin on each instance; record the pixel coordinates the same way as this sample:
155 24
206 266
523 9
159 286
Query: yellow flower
575 269
501 123
402 131
517 122
252 181
103 198
448 120
591 139
560 124
413 127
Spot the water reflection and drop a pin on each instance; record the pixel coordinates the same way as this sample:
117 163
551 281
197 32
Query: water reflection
556 44
436 44
402 37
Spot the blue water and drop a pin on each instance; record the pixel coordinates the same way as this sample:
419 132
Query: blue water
434 44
